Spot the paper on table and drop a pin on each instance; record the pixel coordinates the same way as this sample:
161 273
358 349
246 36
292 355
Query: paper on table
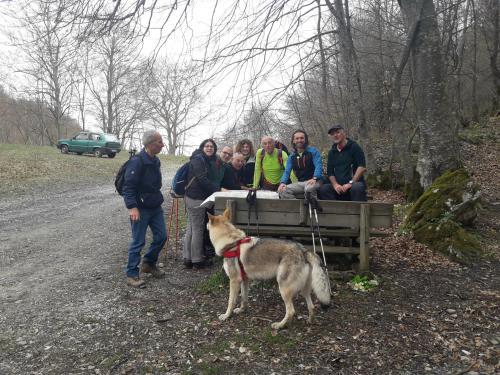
261 194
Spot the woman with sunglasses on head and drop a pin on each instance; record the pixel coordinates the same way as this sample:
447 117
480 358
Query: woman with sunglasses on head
206 170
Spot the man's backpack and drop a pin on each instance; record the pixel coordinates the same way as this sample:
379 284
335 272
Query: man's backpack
120 175
281 146
180 181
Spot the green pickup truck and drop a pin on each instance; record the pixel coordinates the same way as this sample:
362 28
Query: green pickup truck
98 144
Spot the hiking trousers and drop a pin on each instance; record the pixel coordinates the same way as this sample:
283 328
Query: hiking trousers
192 249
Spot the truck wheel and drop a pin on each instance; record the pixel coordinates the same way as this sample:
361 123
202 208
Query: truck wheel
64 149
97 153
112 155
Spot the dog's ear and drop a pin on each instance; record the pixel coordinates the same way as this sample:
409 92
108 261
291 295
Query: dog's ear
227 214
210 217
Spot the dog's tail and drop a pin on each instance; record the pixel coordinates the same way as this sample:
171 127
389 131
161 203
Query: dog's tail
320 280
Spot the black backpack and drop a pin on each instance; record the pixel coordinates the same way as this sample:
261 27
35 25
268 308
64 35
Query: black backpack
120 175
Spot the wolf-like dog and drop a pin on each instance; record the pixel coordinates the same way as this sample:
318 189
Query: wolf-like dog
250 258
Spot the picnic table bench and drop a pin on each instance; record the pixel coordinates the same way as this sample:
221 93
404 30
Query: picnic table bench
347 226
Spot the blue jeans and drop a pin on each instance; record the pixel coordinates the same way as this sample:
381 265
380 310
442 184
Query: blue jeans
356 193
152 217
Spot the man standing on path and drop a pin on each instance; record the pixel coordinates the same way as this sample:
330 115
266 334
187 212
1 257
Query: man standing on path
143 198
306 163
345 169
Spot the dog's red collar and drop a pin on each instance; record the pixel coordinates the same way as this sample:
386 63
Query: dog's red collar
234 252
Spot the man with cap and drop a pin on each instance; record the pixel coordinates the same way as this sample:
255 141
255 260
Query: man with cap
345 169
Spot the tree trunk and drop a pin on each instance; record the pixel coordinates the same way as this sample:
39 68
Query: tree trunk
340 10
438 146
495 102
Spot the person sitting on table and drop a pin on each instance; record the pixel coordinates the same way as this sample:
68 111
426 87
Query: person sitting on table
269 165
305 161
233 177
245 147
345 169
226 154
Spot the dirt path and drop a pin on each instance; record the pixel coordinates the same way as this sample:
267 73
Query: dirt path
65 309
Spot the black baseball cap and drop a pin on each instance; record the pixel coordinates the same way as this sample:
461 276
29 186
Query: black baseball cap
335 128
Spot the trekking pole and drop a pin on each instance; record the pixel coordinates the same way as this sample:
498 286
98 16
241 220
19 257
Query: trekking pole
319 232
169 228
176 226
325 268
308 202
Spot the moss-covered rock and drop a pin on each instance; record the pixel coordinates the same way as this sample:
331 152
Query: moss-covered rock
438 217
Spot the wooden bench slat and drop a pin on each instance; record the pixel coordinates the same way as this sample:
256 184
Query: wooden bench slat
284 231
334 249
293 205
295 219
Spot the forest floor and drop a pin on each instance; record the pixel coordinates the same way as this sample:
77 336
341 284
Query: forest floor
65 308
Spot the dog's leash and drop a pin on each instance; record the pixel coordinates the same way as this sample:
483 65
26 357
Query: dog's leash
252 202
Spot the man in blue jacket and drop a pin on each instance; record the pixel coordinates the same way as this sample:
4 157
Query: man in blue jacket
143 198
345 169
306 163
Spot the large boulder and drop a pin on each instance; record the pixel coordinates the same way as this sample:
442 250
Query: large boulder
441 214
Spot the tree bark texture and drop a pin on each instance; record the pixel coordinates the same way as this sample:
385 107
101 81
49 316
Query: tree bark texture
438 146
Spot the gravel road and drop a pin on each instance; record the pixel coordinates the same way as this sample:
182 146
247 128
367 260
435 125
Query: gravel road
64 305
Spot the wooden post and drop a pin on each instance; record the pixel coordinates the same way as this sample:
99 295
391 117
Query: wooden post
302 212
364 237
231 206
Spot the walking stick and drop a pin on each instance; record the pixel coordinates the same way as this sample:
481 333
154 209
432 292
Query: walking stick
169 227
176 226
313 206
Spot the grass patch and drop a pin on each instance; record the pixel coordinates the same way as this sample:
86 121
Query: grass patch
215 282
24 167
277 339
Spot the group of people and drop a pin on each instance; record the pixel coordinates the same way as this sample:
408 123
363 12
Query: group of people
271 167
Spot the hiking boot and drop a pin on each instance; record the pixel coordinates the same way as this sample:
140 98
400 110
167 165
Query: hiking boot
209 251
153 270
203 264
136 282
199 265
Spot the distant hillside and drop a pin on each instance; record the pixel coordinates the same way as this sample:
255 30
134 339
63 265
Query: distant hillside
25 121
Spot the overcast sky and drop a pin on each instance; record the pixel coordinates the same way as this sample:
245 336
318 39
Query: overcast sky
226 94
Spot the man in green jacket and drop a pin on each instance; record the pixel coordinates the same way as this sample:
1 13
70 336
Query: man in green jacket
269 165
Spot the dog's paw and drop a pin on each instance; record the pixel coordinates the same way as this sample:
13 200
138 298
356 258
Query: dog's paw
277 325
223 317
238 310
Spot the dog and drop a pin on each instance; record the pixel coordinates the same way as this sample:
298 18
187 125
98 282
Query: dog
250 258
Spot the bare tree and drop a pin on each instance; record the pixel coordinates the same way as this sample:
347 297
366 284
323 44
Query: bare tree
117 83
340 10
47 42
174 93
491 31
